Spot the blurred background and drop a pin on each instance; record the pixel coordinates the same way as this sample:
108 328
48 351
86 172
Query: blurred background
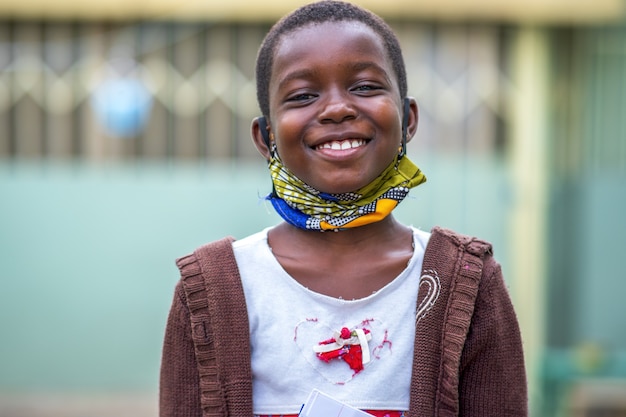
124 144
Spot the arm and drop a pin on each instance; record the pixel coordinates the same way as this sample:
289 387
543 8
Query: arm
492 373
179 391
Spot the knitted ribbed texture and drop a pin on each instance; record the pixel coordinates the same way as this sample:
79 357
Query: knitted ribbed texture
222 354
468 353
445 346
438 352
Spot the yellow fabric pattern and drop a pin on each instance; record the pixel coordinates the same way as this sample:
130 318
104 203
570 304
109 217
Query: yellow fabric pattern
305 207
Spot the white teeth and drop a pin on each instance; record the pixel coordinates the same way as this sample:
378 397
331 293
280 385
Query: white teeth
342 144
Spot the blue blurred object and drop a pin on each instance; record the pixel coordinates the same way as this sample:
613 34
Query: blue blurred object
122 106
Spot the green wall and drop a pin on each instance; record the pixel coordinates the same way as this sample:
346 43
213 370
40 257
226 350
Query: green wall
87 255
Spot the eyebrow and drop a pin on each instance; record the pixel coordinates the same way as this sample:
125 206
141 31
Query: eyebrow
304 73
363 65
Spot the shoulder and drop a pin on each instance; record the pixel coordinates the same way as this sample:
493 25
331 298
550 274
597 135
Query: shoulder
252 241
459 267
466 248
460 251
473 257
224 245
210 250
441 236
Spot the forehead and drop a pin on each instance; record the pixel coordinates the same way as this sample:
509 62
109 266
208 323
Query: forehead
329 42
316 31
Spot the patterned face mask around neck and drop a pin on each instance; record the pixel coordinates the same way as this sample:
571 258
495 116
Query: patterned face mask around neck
307 208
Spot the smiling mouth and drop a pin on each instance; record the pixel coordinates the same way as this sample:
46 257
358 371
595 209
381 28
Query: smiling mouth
340 145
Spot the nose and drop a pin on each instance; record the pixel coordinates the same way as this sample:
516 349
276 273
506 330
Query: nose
337 107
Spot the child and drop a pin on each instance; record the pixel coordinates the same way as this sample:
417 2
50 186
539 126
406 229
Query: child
340 297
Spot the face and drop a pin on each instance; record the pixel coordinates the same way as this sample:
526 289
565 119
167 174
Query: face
335 107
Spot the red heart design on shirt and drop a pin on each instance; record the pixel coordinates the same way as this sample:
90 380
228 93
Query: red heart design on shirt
310 332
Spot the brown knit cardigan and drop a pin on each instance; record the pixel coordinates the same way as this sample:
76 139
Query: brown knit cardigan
468 352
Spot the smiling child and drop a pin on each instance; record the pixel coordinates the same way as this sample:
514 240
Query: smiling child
340 296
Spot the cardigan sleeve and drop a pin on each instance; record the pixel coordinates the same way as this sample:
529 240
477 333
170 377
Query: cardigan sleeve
492 373
179 390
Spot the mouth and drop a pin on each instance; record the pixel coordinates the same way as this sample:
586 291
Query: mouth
341 145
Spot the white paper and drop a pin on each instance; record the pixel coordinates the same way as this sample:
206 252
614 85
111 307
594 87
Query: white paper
322 405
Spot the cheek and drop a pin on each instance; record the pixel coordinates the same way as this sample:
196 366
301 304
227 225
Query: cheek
389 120
386 113
287 127
289 133
391 116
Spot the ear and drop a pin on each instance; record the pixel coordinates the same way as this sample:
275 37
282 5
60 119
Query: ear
260 136
413 118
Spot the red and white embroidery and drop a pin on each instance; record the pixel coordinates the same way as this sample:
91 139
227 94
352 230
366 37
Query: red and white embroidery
339 358
349 345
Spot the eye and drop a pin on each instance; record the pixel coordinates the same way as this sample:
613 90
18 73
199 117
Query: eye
367 88
300 97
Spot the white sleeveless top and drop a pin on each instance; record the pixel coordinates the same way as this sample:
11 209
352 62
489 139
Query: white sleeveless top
287 320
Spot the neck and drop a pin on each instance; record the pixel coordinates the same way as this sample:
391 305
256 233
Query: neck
349 264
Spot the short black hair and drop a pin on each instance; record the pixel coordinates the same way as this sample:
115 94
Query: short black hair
321 12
